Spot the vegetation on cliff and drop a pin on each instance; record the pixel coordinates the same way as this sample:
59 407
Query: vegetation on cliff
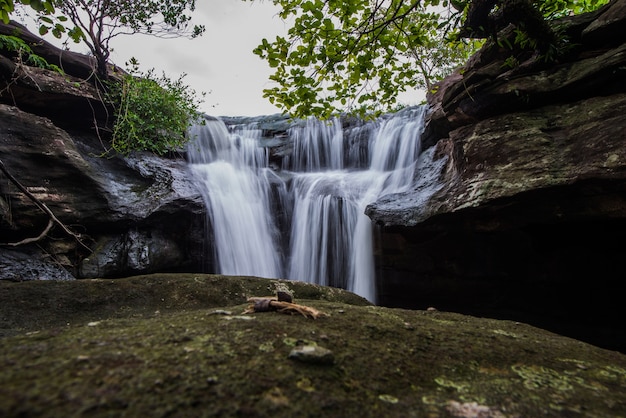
24 53
151 113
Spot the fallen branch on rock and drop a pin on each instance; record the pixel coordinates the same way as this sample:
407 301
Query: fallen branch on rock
282 303
52 218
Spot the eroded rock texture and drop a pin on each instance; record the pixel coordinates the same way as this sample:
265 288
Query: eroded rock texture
127 215
530 216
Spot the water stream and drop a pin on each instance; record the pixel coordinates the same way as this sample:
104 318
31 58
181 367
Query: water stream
305 219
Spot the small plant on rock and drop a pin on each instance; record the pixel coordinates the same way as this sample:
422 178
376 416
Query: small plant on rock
151 113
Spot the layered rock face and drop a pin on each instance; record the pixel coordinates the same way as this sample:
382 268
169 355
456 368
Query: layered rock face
530 217
123 215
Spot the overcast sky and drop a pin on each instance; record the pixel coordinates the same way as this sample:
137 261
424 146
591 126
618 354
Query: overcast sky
220 62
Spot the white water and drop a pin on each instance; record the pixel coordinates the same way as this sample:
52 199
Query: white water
233 178
323 190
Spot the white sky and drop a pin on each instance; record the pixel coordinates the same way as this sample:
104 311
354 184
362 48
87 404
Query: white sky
220 62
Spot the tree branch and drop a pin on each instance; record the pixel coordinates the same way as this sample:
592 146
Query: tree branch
44 208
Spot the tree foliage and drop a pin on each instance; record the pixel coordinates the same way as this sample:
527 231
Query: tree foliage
358 55
97 22
8 6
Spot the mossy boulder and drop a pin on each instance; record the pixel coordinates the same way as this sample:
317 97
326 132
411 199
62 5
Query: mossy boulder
35 305
181 346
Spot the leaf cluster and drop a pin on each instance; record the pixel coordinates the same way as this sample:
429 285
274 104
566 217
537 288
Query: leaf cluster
357 56
25 54
554 9
153 113
8 6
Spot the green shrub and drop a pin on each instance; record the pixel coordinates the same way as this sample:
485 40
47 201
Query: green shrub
151 113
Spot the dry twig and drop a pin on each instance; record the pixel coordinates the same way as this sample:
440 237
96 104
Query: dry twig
282 303
44 208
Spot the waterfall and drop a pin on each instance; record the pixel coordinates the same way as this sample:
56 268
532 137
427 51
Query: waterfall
304 221
317 146
234 180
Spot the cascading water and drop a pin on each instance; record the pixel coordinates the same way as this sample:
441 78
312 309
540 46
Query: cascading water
323 188
234 180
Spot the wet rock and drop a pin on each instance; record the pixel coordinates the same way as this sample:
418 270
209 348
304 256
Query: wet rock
18 266
138 214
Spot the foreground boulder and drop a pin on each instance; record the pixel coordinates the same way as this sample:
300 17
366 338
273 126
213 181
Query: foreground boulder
151 355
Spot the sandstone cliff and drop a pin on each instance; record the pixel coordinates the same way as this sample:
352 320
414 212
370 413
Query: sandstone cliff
136 214
530 215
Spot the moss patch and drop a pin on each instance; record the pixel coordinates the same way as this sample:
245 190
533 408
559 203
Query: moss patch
213 361
33 305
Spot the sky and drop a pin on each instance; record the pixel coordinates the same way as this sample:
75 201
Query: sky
220 62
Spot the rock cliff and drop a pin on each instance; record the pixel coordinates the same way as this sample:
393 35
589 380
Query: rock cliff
137 214
531 209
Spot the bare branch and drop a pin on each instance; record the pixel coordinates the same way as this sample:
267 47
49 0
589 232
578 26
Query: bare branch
41 206
34 239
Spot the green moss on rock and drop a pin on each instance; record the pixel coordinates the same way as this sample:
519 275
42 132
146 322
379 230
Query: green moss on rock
189 357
